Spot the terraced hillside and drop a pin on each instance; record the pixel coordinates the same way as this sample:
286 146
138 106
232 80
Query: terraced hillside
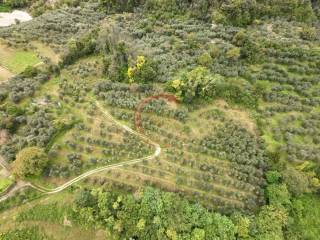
217 112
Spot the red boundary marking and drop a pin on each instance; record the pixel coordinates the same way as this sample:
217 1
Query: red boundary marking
140 106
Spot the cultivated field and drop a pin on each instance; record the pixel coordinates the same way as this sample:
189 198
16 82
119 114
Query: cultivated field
109 104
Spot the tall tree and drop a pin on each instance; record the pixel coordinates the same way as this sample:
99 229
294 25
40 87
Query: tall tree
29 162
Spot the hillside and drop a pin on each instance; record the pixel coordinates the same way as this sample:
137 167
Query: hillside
160 119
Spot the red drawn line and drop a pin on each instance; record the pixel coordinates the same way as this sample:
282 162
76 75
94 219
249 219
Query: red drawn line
137 115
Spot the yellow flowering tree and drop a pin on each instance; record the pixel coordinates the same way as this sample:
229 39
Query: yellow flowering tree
143 70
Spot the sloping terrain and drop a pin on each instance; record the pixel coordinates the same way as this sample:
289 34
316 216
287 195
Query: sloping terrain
214 104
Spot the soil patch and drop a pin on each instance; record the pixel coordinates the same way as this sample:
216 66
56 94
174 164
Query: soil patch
4 136
5 74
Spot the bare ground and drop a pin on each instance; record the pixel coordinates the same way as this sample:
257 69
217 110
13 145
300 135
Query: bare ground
4 136
5 74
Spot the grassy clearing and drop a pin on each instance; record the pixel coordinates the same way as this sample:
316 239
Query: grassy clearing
5 183
17 60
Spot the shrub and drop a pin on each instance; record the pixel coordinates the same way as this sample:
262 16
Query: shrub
233 53
239 12
270 222
205 59
30 162
116 63
112 6
278 194
308 33
298 10
144 71
273 176
77 49
195 84
296 181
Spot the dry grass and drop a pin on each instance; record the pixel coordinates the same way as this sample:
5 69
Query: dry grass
5 74
46 51
238 115
3 136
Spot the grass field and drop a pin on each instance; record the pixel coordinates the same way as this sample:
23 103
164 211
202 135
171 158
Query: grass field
15 60
5 183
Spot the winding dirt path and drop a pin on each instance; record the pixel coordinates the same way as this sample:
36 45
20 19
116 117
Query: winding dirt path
17 187
44 190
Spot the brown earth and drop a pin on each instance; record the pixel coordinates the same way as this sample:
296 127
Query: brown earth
3 136
5 74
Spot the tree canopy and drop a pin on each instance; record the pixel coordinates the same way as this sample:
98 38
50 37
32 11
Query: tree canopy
29 162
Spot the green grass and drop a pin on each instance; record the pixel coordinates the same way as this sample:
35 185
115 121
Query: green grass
48 212
307 217
20 60
39 212
4 7
60 133
5 183
270 142
16 61
33 233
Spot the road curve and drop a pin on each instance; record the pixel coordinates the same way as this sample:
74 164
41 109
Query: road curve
156 153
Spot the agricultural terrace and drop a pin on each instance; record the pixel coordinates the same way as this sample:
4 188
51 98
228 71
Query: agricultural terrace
247 98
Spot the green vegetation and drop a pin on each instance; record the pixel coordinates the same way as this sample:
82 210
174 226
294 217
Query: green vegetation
152 215
31 233
29 162
5 183
16 3
199 84
5 7
228 89
18 199
16 60
50 212
161 215
144 71
306 217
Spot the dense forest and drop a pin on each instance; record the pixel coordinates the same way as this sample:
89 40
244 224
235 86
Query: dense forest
160 119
